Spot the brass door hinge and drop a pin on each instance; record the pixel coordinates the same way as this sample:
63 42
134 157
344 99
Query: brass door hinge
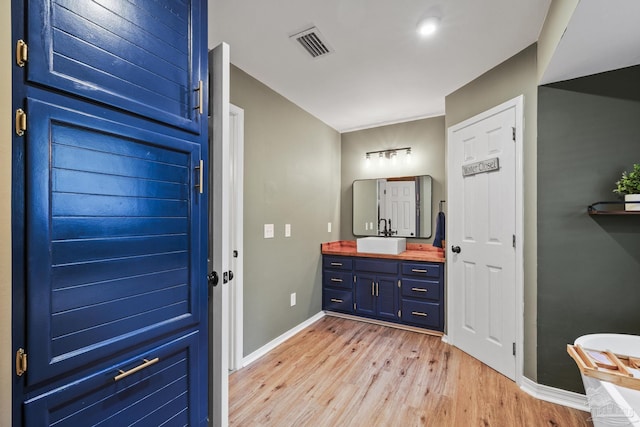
21 53
21 362
21 122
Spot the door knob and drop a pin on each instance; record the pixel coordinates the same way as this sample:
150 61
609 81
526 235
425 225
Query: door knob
455 249
212 278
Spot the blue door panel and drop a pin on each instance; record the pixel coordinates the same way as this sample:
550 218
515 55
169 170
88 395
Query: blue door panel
103 337
165 391
81 273
106 315
387 298
69 251
76 297
96 227
68 181
138 57
116 261
65 157
109 144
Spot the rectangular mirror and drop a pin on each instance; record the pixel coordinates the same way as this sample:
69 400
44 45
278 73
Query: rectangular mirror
404 203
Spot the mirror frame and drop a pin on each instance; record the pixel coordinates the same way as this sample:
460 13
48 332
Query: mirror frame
366 205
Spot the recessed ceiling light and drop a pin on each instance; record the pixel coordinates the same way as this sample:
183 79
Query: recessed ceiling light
428 26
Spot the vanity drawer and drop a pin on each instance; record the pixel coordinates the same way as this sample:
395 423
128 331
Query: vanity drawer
337 300
424 289
337 263
421 313
376 266
340 279
421 269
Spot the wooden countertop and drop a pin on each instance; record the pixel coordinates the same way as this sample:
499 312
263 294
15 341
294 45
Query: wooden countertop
414 252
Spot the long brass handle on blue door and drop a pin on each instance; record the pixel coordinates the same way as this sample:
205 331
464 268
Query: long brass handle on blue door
146 363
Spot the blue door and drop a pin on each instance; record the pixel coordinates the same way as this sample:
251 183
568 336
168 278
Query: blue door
145 57
111 203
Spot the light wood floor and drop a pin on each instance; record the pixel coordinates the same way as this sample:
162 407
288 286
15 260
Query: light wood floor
340 372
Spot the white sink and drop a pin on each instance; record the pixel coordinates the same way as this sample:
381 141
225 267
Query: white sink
382 245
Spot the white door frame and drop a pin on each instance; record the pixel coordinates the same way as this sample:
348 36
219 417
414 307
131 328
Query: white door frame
236 332
518 103
219 70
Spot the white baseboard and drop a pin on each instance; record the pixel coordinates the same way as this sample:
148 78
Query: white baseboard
279 340
555 395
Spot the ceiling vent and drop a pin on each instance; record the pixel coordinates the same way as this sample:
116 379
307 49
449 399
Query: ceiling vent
313 42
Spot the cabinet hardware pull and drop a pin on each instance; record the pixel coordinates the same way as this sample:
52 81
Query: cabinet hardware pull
336 264
336 300
419 289
418 270
419 313
373 288
199 107
333 279
200 184
146 364
377 288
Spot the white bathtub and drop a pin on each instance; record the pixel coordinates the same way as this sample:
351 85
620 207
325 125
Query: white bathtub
612 405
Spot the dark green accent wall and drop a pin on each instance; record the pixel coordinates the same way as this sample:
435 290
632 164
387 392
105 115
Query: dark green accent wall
588 267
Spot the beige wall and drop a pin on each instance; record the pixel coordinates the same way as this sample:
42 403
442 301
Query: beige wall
5 216
291 176
426 138
555 24
516 76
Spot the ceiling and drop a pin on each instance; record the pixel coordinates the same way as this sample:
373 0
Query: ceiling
380 70
598 38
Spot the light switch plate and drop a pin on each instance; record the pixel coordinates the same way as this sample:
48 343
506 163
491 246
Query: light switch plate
293 299
287 230
268 231
328 227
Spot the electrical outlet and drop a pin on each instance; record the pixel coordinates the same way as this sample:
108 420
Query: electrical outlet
268 231
293 299
287 230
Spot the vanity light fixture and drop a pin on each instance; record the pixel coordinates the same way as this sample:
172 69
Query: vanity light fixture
391 153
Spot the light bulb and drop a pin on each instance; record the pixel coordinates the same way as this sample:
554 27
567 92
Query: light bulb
428 26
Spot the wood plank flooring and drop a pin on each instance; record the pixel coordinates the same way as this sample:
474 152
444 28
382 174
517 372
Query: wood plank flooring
340 372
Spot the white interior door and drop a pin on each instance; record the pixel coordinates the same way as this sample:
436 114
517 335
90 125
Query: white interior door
401 207
219 238
482 279
236 166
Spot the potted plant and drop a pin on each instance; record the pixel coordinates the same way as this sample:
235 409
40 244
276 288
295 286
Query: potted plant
629 187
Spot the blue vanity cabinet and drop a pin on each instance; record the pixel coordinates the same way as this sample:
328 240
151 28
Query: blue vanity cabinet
337 284
406 292
376 288
422 292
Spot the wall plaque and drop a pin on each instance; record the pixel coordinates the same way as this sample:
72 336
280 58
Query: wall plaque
481 166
